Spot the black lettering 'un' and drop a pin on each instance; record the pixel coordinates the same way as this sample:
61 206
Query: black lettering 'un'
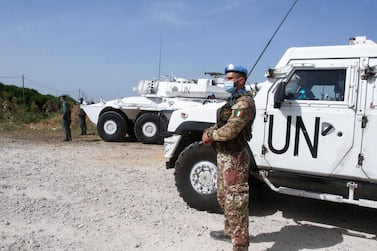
312 147
300 126
287 135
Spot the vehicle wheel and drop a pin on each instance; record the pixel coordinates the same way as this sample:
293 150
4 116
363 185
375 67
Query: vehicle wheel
195 177
148 128
112 126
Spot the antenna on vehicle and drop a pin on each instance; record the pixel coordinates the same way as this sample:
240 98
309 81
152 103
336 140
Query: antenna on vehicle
272 37
159 60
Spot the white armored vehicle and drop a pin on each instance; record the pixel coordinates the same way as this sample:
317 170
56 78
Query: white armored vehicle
313 135
146 116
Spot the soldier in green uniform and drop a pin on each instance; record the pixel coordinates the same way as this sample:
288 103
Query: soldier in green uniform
82 118
66 118
229 137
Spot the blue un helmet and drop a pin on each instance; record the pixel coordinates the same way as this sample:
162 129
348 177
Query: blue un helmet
236 68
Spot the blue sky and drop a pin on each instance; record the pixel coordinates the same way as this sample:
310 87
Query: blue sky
103 48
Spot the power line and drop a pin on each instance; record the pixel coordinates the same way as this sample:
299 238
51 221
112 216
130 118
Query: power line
10 76
36 83
49 88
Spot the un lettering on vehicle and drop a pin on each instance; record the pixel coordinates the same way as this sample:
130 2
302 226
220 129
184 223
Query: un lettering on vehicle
300 131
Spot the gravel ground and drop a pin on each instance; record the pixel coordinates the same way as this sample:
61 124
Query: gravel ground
93 195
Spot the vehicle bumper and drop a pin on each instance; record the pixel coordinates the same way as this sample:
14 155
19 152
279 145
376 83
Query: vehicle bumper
170 145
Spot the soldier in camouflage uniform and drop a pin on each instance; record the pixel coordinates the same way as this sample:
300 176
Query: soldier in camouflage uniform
229 137
66 118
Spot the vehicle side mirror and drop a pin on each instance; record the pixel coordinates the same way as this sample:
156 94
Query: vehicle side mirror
279 95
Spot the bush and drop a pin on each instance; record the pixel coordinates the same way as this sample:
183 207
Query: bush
26 105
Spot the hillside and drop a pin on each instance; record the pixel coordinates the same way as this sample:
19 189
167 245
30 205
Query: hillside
24 109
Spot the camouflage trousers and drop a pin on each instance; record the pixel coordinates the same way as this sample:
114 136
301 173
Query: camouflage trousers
233 195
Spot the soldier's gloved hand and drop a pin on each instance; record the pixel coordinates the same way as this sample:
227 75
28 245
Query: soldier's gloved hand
205 138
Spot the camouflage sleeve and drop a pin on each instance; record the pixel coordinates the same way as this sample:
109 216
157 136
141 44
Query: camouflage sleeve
211 129
242 112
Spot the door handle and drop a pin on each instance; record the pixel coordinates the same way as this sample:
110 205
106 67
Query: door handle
327 128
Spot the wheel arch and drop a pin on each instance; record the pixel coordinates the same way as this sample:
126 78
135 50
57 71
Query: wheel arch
191 131
158 113
190 127
108 109
119 111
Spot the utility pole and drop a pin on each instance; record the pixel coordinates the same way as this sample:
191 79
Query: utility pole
23 87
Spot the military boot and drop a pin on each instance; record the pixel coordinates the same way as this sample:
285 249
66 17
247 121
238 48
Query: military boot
220 235
240 248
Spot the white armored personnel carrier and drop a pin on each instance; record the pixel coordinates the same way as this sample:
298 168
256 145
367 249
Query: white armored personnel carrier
146 116
319 145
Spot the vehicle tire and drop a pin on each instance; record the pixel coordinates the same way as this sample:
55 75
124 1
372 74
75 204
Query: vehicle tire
148 128
112 126
195 177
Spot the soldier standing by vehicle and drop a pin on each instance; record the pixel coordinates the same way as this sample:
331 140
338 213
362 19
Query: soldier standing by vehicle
82 118
66 118
229 137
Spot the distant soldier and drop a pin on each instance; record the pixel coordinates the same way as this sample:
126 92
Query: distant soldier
229 136
66 118
82 118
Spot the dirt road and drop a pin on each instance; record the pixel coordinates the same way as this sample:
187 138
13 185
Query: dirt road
93 195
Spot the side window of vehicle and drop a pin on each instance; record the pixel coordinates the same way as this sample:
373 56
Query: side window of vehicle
326 85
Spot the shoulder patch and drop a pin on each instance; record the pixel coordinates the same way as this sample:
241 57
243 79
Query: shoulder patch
238 113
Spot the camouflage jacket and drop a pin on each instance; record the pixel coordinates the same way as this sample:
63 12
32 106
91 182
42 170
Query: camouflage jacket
234 121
